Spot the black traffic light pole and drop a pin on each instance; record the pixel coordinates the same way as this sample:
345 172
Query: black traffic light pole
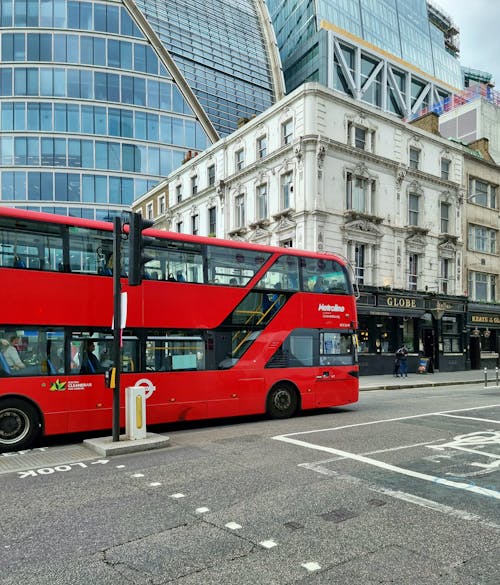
117 317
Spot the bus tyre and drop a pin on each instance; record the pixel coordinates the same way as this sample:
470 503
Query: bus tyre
19 424
282 401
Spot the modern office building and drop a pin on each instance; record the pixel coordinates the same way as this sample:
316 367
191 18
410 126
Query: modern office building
399 55
99 100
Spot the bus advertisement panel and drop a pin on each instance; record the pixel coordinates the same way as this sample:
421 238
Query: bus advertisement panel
219 328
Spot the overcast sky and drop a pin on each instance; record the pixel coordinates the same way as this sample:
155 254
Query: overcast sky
479 24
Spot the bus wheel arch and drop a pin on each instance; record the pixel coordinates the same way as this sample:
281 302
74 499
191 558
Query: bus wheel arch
20 423
283 400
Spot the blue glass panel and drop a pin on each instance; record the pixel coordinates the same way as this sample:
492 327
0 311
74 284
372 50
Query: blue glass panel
59 152
101 189
153 96
8 185
86 16
100 86
33 151
99 51
73 114
126 55
140 126
166 96
7 47
32 13
20 81
114 122
114 156
87 119
165 161
60 82
6 81
113 19
46 117
73 49
34 186
20 14
73 14
139 91
101 155
127 192
6 16
45 48
114 55
33 42
73 83
113 82
88 188
87 154
61 187
127 124
73 187
128 158
7 117
74 153
140 57
46 7
100 17
127 89
86 84
87 50
115 195
19 47
60 118
166 129
153 129
33 117
32 81
100 125
7 150
20 116
153 160
20 152
20 186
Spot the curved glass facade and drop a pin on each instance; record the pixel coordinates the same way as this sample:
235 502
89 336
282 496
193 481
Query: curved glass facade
221 51
90 118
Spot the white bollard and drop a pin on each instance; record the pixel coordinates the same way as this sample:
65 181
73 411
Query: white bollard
135 412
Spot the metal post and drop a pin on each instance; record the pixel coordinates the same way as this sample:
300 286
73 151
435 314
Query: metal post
485 378
117 311
496 376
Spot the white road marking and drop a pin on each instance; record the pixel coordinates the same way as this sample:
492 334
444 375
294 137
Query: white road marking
138 475
233 526
202 510
436 506
376 422
268 544
473 418
120 466
155 484
177 496
311 566
388 467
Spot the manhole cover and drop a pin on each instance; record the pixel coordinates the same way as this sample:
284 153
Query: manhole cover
338 515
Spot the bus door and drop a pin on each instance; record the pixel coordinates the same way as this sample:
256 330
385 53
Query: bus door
333 381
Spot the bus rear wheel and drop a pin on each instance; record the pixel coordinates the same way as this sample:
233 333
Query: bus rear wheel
282 401
19 424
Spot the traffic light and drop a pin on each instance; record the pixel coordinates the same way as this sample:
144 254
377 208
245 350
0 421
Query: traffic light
136 244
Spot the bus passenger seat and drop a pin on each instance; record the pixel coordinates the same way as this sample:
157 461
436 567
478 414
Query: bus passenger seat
4 365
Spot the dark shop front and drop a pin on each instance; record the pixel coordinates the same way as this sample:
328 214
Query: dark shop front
483 326
430 326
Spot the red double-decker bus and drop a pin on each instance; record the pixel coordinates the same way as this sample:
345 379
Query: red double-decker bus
219 328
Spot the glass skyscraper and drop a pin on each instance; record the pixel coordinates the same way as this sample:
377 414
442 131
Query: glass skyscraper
395 54
99 101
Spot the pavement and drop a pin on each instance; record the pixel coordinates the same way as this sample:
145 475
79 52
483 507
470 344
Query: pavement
389 382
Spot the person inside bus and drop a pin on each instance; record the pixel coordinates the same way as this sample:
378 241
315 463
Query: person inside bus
11 354
321 284
180 276
90 362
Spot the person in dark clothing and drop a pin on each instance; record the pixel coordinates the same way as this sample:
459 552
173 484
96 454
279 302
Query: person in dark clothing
395 371
402 355
90 362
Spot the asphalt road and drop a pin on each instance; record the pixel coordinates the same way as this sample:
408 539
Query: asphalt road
403 487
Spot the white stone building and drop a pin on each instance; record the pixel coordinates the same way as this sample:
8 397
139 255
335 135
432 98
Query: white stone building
320 171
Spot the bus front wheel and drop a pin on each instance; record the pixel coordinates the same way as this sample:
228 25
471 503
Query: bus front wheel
282 401
19 424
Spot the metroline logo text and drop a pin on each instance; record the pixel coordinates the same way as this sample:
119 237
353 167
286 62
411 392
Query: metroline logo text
334 308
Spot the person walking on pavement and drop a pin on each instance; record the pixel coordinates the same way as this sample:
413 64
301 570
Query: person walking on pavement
397 362
402 356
